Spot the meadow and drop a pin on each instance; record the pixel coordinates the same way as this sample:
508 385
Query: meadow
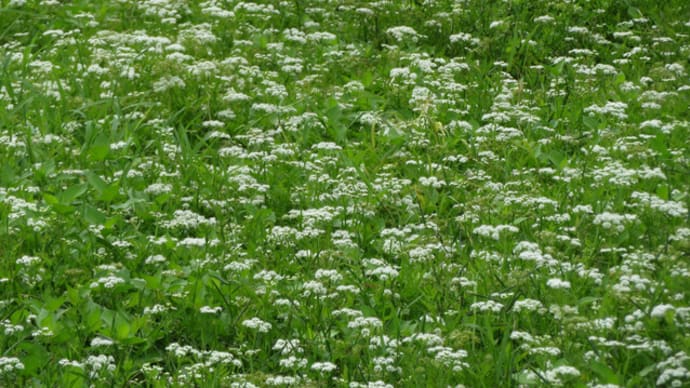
343 193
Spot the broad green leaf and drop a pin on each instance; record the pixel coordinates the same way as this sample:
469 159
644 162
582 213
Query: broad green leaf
99 149
590 122
72 193
93 216
558 158
122 327
96 182
662 192
659 144
606 374
50 199
110 192
587 300
34 356
57 205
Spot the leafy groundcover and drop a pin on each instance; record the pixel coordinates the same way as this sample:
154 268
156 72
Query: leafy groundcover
343 193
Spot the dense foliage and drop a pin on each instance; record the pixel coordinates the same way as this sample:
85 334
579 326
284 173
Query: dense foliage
344 193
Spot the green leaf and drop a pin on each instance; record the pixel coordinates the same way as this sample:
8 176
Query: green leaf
558 158
50 199
649 369
153 282
73 377
122 328
110 193
96 182
587 300
112 221
524 379
132 341
7 175
56 204
35 357
557 70
106 192
634 12
606 374
519 220
53 303
659 144
662 192
72 193
139 284
367 78
93 216
93 320
99 149
590 122
620 78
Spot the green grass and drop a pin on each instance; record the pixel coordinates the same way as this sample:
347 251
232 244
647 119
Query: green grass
309 193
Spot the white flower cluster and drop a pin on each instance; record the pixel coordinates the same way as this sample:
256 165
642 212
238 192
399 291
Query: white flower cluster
285 381
257 324
313 287
386 364
674 370
606 323
365 325
421 254
450 358
404 33
615 173
188 219
28 261
371 384
463 37
157 309
155 259
290 346
168 82
210 310
380 269
158 189
331 275
9 365
324 367
312 217
100 365
608 220
431 181
632 282
494 232
529 251
487 306
268 276
529 305
101 341
9 328
108 282
293 362
554 375
669 208
422 100
660 310
348 312
208 358
558 283
681 234
197 242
